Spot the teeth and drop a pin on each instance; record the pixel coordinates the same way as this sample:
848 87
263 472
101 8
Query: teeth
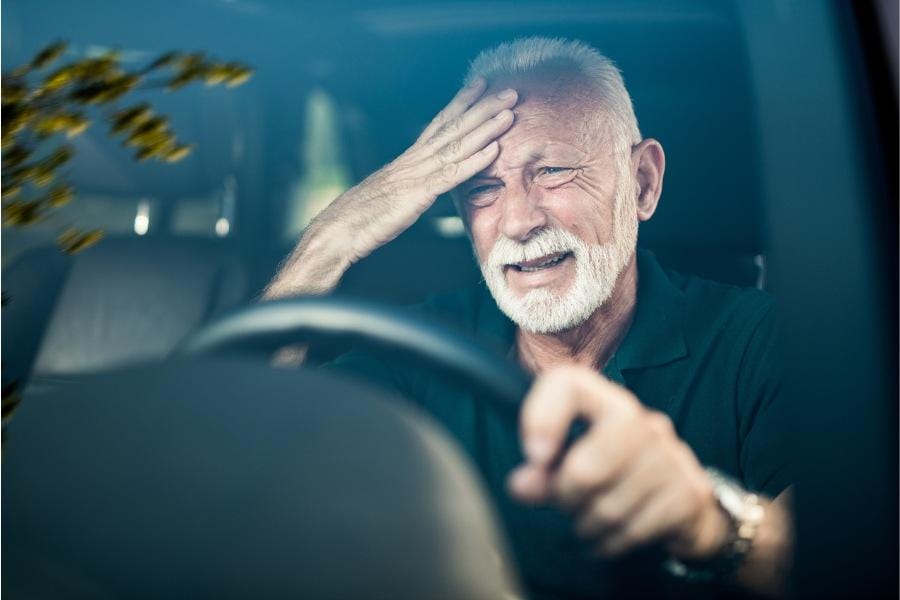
543 265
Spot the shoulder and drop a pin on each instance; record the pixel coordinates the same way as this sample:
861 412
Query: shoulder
730 326
713 304
706 309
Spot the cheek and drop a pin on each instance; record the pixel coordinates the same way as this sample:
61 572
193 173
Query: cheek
483 231
586 211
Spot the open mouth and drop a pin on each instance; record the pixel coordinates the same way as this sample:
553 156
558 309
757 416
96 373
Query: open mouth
541 263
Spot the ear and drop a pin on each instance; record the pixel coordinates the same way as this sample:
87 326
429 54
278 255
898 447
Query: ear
649 163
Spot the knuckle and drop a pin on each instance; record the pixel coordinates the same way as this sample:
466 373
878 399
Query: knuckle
450 127
450 170
661 425
697 494
451 149
582 472
701 491
609 512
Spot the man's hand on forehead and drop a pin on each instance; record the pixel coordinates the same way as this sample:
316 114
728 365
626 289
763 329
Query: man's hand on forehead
458 143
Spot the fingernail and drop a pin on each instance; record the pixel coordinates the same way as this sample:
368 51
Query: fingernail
506 94
539 450
527 484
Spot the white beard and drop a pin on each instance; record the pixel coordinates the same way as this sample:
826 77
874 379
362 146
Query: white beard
597 269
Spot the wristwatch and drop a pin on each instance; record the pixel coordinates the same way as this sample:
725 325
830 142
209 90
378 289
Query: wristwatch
745 512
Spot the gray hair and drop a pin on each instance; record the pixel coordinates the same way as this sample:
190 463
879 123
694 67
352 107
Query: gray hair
525 56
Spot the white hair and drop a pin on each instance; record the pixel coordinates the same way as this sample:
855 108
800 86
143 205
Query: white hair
529 55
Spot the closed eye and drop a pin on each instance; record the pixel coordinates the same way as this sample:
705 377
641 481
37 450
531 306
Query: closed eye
482 195
480 190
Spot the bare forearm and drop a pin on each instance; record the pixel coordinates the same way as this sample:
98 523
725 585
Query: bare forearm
457 144
315 266
766 566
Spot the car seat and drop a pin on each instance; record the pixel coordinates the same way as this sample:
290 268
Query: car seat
122 301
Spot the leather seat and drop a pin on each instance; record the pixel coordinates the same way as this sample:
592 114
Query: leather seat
122 301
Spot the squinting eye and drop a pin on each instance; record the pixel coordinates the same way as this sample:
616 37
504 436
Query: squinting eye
480 190
481 194
554 170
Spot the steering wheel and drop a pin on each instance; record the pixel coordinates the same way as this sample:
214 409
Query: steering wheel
264 327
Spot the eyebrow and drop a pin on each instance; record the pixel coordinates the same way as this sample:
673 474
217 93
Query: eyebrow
534 156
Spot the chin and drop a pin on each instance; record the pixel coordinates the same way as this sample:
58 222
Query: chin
543 311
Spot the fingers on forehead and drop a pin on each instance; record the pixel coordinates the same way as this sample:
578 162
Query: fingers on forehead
465 98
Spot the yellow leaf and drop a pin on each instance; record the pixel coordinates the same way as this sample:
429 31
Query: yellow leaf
15 156
153 131
59 156
48 55
76 127
78 241
165 60
11 192
13 93
44 176
58 79
156 149
60 195
178 153
239 76
131 118
20 213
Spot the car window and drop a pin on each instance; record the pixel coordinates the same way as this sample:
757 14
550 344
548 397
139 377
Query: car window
780 176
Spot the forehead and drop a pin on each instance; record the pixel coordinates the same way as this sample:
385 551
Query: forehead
557 116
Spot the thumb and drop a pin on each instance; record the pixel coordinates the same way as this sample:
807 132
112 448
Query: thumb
530 484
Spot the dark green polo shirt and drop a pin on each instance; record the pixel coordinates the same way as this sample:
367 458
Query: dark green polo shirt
701 352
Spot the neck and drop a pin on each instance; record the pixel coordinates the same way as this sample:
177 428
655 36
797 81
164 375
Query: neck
594 341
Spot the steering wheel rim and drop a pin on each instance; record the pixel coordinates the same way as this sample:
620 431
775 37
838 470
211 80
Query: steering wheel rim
265 327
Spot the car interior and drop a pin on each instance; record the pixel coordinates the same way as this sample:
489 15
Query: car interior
779 176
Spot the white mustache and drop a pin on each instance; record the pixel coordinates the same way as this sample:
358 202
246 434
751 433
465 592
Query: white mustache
545 242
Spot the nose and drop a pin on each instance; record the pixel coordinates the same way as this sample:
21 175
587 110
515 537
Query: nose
522 215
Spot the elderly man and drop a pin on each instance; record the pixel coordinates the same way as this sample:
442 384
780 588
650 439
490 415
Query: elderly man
664 376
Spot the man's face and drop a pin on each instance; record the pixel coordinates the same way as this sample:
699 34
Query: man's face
552 220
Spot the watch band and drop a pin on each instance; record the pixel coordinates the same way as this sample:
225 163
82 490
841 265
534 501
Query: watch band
746 514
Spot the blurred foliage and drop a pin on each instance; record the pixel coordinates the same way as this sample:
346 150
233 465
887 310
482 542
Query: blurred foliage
45 103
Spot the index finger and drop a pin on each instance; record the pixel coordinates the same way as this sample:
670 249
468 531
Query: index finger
557 399
464 98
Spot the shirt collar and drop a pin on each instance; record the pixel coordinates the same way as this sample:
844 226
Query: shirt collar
656 335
